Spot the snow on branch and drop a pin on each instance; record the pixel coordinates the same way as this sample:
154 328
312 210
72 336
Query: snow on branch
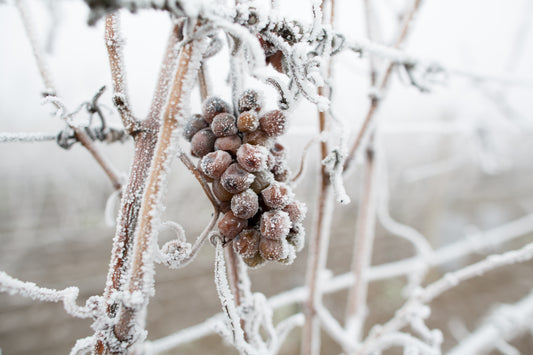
68 295
8 137
506 322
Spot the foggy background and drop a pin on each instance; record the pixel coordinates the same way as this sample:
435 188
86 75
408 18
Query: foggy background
459 159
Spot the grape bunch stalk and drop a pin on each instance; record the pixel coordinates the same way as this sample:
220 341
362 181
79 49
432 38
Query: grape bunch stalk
248 171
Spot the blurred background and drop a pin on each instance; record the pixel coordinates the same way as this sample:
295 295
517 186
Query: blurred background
459 162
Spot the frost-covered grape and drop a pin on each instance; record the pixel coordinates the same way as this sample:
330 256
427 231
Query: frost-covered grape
247 243
230 226
212 106
276 195
257 138
296 211
193 125
281 172
245 204
235 179
252 158
296 236
291 254
275 224
224 124
250 100
248 121
215 163
203 142
272 249
199 168
220 192
262 180
254 261
229 144
278 151
273 123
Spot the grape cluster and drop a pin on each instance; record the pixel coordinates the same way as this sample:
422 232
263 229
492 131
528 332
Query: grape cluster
247 170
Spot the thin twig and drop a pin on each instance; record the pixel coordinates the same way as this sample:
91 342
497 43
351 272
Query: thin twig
362 256
375 100
113 43
319 243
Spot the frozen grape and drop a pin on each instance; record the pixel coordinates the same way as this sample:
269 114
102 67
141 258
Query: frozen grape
248 121
252 158
278 151
245 204
272 249
262 180
224 124
276 195
230 226
199 168
291 254
273 123
212 106
250 100
257 138
220 192
254 261
275 224
229 144
225 206
203 142
281 172
296 236
214 164
296 211
235 179
193 125
247 243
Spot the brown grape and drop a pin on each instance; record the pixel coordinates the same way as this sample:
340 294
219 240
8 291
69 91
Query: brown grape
252 158
262 180
296 211
247 243
203 142
220 192
230 226
250 100
254 261
212 106
271 249
245 204
273 123
193 125
214 164
276 195
248 121
275 224
224 124
296 236
229 144
257 138
235 179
